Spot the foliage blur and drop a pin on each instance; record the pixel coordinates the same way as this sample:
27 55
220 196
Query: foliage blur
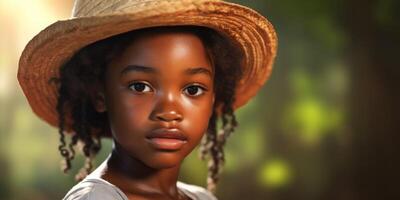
323 127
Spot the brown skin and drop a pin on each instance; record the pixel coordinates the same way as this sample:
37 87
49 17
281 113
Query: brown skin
174 88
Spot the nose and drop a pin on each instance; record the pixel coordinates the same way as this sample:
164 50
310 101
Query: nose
167 108
169 116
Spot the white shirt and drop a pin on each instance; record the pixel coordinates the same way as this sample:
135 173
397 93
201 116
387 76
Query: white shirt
93 187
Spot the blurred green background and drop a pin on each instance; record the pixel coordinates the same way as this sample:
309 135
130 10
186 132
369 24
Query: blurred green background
325 126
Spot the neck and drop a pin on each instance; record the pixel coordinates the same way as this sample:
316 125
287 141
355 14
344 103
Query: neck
134 177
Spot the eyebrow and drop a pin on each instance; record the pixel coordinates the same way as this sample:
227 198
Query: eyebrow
151 70
138 68
198 70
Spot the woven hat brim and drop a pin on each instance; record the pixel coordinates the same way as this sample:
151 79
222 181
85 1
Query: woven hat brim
47 51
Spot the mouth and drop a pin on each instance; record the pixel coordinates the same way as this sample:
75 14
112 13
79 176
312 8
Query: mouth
167 139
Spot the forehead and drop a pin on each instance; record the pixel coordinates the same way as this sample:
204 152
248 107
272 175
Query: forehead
172 49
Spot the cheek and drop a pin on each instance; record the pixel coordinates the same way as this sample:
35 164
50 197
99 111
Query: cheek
197 118
127 115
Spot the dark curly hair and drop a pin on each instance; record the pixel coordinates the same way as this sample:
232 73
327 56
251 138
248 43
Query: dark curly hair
86 69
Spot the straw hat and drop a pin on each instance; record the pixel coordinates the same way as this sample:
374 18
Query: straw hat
93 20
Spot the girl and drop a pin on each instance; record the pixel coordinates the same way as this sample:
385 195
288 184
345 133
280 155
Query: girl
155 76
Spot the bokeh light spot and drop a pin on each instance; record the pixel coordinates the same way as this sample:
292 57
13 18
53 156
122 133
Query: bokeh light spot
275 173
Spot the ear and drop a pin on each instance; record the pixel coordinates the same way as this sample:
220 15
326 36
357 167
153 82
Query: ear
99 102
213 104
213 99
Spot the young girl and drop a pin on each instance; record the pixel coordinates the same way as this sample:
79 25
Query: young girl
155 76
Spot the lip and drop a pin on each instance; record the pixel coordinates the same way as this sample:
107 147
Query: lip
167 139
172 133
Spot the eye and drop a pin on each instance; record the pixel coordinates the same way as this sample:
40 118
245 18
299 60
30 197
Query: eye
194 90
140 87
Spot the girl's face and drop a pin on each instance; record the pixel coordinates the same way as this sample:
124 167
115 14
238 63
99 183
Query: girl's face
159 95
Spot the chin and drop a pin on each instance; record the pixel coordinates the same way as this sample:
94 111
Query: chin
164 160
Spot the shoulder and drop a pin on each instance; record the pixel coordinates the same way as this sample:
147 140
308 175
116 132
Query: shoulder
196 192
93 190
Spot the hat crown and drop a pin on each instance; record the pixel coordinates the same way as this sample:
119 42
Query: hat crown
87 8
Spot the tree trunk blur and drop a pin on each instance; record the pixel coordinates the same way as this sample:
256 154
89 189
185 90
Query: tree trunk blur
374 96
